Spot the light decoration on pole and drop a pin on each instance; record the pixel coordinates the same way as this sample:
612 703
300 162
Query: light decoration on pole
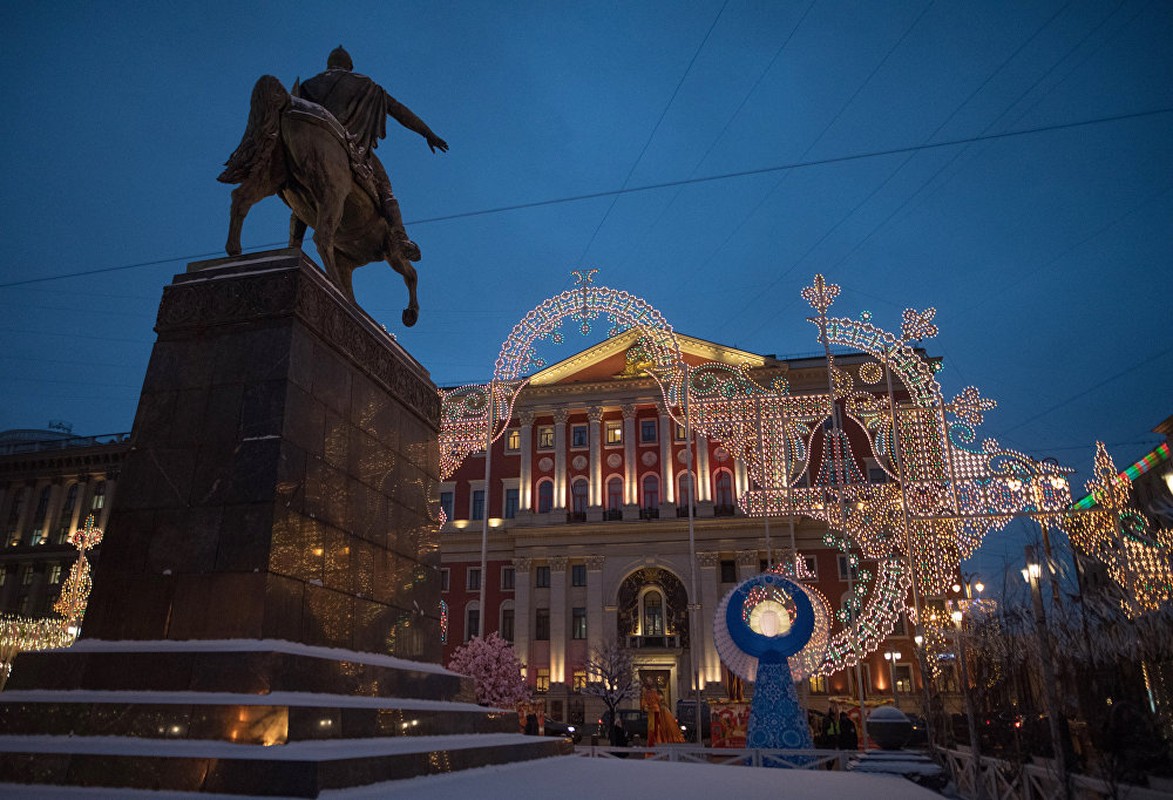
1137 559
75 593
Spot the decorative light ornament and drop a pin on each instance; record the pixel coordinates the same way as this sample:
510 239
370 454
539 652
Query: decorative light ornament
75 592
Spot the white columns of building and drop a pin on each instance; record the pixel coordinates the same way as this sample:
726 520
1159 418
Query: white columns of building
560 417
667 467
558 612
595 417
748 564
704 478
522 610
740 479
630 465
525 499
595 635
710 661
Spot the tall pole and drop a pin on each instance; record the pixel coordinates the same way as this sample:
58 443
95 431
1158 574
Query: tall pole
695 606
975 743
1059 744
485 507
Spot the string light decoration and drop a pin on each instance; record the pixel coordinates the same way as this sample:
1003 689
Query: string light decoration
1137 559
945 491
465 411
75 593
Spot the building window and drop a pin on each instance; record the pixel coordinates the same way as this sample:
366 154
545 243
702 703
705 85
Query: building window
903 678
818 684
507 575
653 616
478 504
615 432
651 492
513 441
546 437
473 579
445 577
40 516
66 521
578 625
578 497
447 504
578 684
647 430
723 489
512 499
507 624
542 625
578 574
578 436
26 574
678 433
542 577
545 496
729 571
542 680
686 495
812 566
615 494
877 475
898 629
98 501
843 560
472 628
14 516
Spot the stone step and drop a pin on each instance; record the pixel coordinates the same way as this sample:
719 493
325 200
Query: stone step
236 666
244 719
297 769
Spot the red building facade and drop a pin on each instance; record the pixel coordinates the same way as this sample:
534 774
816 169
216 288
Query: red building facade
587 511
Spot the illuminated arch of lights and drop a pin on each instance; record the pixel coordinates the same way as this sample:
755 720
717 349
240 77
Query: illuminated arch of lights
944 494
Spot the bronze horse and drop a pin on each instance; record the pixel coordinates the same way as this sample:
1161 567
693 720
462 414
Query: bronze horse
297 150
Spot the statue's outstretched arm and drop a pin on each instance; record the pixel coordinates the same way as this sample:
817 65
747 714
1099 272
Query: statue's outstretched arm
407 118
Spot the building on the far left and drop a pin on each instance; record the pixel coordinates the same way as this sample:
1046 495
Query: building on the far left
50 481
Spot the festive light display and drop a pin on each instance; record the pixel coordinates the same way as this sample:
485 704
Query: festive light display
1136 558
944 491
76 592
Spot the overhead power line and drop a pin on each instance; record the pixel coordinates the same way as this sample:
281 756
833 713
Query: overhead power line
1060 126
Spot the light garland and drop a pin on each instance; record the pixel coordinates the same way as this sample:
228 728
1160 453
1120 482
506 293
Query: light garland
75 593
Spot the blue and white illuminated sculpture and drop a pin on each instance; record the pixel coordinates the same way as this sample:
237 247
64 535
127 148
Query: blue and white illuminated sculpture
769 618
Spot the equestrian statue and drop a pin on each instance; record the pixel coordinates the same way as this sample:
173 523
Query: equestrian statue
314 148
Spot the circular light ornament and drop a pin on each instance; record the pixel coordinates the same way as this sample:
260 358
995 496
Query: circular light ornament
769 618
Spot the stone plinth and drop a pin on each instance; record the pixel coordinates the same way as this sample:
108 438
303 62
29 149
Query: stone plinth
281 480
265 615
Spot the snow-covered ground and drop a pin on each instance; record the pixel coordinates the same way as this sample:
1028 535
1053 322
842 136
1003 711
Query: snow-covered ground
575 778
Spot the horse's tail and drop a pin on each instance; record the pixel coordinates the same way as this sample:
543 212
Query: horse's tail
255 151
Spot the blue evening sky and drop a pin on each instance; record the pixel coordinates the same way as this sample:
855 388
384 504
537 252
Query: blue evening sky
1047 255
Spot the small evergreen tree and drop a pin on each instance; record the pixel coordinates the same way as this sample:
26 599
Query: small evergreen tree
493 666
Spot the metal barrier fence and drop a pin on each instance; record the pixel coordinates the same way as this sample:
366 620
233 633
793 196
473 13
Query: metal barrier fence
748 757
1004 780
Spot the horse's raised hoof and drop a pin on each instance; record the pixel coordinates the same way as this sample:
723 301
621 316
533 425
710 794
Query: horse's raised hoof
410 315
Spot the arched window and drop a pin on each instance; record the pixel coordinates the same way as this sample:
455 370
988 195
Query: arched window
65 522
40 517
14 513
651 487
578 496
685 493
545 496
653 614
723 489
615 493
98 501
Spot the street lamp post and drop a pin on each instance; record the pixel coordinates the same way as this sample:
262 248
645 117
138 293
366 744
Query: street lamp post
892 656
1059 743
975 744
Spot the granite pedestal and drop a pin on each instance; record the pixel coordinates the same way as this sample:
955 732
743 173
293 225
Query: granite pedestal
265 614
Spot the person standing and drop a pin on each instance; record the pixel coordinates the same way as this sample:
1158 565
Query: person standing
848 738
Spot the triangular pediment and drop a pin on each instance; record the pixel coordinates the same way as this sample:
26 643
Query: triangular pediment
609 360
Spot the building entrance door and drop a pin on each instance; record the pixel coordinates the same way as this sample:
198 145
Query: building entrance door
662 680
